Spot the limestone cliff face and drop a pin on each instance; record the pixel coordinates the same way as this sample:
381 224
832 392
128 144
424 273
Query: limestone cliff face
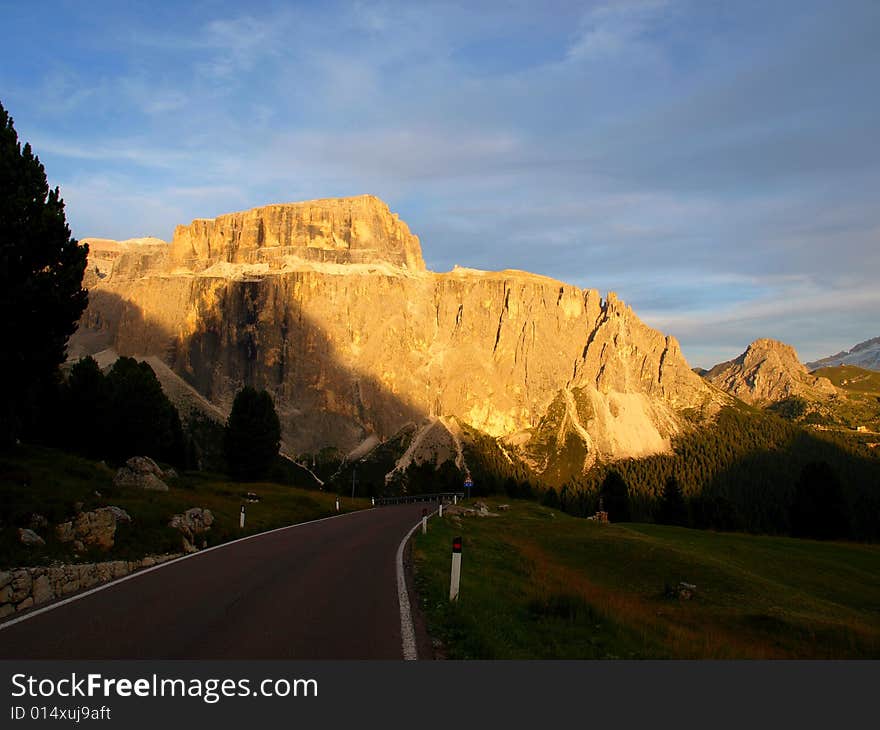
125 259
344 230
356 350
768 372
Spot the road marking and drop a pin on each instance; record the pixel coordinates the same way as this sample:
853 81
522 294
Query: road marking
144 571
407 631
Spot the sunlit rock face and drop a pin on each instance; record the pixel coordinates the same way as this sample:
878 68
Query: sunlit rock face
769 371
328 305
342 230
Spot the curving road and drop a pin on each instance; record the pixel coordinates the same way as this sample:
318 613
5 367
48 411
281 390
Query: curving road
322 590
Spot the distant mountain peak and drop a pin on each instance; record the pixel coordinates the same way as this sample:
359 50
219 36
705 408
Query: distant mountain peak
767 372
864 355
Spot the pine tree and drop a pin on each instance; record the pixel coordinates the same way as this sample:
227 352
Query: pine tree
141 421
253 435
673 510
85 408
550 498
41 294
615 497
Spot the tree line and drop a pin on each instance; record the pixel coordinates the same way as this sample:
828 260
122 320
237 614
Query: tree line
750 471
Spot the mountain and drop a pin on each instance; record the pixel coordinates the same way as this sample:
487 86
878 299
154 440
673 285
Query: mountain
864 355
328 305
769 375
768 372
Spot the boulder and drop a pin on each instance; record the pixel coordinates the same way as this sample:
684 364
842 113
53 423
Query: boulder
142 472
92 529
120 514
193 526
96 528
30 538
480 509
64 532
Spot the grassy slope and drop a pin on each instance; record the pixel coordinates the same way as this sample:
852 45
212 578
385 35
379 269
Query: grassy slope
542 586
861 407
852 378
59 480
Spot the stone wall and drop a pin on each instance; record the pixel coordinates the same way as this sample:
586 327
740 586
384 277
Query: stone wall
24 588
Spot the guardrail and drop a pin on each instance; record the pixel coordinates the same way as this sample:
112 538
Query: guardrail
405 498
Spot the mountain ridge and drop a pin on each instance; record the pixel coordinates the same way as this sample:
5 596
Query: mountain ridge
356 340
865 354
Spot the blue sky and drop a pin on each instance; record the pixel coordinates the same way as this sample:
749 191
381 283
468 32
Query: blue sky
716 164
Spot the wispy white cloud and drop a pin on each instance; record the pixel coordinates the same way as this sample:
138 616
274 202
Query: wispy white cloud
615 27
142 152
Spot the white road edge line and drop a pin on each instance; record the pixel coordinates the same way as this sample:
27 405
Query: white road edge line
144 571
407 630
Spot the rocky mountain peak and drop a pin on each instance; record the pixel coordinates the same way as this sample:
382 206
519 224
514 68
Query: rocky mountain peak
767 372
360 229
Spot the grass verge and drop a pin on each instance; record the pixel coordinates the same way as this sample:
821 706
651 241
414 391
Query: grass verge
51 483
538 584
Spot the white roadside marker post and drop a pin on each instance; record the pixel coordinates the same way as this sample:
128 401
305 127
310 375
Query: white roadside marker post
441 508
455 579
241 517
337 504
424 521
373 499
454 499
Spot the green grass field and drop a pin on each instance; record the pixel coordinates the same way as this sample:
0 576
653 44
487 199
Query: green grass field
538 584
49 482
861 406
852 378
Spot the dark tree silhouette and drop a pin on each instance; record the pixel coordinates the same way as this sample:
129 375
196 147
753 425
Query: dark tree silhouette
673 510
41 294
141 421
85 407
253 435
819 509
615 497
550 498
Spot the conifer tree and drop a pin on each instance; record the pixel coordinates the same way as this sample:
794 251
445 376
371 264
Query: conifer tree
615 497
673 510
253 435
41 294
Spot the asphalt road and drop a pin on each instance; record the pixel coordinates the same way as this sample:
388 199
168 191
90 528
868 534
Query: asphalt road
326 590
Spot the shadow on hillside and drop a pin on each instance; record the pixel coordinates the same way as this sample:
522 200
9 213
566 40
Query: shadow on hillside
759 486
256 335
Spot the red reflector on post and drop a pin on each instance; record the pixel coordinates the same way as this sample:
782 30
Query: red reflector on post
456 544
